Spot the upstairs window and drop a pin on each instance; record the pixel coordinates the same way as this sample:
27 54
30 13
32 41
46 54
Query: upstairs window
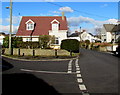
55 24
30 25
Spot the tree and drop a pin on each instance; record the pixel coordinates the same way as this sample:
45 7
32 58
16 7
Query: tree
15 42
46 40
87 42
71 45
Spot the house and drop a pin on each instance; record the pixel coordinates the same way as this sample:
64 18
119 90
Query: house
82 36
2 36
31 27
110 32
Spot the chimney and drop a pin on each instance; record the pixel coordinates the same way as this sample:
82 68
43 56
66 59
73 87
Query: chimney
63 16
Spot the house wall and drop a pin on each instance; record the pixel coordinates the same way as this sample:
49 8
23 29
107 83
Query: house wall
1 39
33 39
108 37
61 34
77 38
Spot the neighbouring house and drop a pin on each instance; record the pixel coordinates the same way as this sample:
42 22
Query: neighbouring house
110 32
31 27
82 36
2 36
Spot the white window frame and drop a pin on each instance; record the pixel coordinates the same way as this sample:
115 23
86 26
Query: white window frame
55 26
29 26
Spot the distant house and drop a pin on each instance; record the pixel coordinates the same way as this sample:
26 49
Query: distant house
2 36
82 36
110 32
31 27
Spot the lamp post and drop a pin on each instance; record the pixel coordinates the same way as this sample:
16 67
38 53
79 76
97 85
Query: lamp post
10 50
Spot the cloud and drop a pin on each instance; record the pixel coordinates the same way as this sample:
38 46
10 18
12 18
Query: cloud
0 20
66 9
56 12
7 28
76 21
86 21
104 5
15 19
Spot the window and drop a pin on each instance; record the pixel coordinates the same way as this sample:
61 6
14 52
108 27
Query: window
54 26
28 39
30 26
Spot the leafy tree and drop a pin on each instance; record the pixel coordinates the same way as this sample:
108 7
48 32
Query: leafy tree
6 42
72 45
15 41
87 43
46 40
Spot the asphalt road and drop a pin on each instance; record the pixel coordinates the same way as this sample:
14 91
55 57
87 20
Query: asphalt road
93 73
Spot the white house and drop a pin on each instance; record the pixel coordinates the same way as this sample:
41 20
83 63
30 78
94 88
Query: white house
110 33
2 36
82 36
34 26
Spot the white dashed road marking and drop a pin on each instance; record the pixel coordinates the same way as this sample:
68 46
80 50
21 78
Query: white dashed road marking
82 87
70 66
79 80
79 75
77 72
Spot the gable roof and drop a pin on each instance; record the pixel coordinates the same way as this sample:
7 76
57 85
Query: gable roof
116 28
109 27
42 25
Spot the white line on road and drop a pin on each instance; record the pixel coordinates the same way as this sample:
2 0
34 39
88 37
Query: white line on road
79 75
77 69
82 87
70 66
77 72
26 70
79 80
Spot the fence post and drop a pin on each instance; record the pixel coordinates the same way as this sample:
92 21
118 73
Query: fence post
19 52
33 52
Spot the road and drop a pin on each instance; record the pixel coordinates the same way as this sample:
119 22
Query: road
93 73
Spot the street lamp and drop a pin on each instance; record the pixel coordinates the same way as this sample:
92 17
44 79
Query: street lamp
10 51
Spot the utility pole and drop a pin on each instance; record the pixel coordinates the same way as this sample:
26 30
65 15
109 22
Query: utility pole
10 50
80 40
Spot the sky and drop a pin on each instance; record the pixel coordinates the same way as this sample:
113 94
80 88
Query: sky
87 15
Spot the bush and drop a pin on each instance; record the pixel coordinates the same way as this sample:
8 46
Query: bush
29 45
15 41
71 45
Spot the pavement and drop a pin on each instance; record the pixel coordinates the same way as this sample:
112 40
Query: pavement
93 73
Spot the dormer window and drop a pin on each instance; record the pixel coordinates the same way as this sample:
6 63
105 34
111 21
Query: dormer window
30 25
55 24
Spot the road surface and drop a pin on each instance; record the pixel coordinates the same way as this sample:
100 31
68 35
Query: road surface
93 73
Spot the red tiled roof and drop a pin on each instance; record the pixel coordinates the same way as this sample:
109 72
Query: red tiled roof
42 25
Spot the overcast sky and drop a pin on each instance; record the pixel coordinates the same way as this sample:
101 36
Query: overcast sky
87 15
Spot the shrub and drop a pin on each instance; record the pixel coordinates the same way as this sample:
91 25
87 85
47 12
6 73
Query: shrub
15 41
71 45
